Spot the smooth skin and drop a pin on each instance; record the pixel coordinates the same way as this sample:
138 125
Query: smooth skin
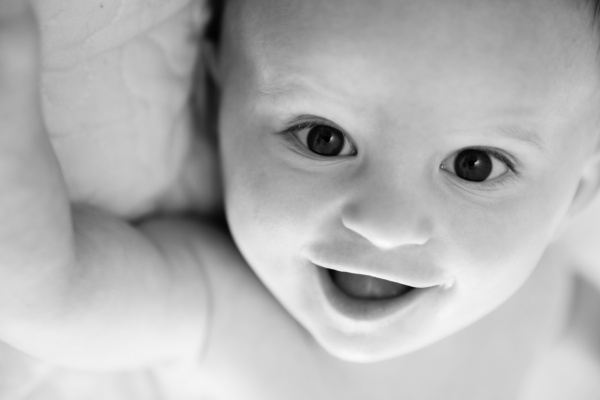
410 84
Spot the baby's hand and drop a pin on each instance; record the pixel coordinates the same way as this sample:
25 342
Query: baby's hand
36 228
79 287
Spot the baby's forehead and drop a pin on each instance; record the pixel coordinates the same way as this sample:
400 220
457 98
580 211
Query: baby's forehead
285 29
386 51
281 37
253 16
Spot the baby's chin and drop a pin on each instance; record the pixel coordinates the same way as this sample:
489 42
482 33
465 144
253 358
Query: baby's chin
372 342
116 84
367 349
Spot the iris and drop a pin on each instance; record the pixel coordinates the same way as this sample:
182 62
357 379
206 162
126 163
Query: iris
325 140
473 165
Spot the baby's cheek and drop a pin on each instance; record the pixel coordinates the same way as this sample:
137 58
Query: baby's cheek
487 244
257 205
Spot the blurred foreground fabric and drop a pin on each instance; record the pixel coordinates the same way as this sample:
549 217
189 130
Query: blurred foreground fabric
116 85
25 378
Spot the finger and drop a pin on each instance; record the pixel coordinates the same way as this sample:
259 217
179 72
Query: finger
19 63
22 134
33 200
23 140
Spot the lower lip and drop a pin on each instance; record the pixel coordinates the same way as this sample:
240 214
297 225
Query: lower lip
368 309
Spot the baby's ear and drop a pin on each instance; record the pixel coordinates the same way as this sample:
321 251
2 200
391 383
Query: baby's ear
588 186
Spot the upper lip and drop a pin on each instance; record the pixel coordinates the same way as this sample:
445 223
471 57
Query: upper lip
387 275
405 272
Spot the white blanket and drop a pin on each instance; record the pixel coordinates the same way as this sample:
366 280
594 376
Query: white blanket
116 84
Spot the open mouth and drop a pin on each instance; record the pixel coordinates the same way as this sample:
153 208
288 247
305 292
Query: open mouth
367 298
367 287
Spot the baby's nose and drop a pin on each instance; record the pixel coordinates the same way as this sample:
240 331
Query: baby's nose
387 218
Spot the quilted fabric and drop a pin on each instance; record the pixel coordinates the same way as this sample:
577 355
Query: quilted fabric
116 84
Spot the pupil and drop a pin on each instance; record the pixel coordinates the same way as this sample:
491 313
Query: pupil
473 165
325 140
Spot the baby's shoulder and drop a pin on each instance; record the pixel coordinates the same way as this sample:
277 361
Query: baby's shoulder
572 366
239 300
226 269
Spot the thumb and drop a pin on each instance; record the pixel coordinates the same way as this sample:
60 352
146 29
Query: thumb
33 196
19 56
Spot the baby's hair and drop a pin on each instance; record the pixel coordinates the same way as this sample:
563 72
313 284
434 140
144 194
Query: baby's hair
213 28
593 7
596 6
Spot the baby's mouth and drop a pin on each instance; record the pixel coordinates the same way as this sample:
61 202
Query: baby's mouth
367 287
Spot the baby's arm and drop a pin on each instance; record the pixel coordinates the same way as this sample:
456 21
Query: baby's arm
78 287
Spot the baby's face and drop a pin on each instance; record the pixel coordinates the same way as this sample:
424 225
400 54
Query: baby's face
435 144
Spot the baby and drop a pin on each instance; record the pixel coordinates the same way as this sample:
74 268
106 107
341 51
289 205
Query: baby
393 172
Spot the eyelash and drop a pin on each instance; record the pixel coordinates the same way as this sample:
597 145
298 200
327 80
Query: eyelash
290 135
493 184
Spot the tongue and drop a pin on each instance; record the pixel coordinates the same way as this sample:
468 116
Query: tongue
367 287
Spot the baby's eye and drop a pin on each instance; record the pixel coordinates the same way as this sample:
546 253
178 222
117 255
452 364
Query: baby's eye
322 139
477 165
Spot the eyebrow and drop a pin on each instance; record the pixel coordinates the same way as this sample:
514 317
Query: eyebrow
286 87
524 135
